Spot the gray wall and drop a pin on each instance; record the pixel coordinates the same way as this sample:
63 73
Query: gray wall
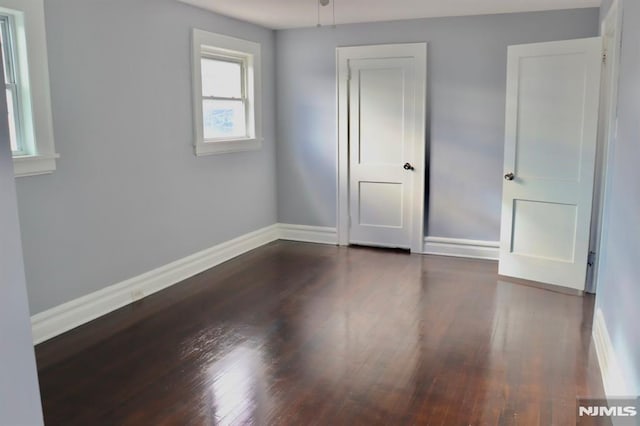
19 393
466 85
619 275
129 195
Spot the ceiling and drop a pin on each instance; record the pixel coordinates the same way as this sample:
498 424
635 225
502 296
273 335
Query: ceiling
280 14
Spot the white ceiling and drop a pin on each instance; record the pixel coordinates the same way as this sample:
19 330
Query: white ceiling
279 14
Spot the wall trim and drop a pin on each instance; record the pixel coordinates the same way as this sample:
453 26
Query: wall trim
457 247
612 377
309 234
67 316
55 321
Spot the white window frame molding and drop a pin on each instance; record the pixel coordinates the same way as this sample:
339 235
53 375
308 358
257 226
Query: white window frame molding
207 44
31 43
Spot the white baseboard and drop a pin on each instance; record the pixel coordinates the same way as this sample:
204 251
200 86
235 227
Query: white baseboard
612 377
55 321
473 249
309 234
67 316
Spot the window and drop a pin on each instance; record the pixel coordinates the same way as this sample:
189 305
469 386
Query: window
225 102
26 71
226 80
9 60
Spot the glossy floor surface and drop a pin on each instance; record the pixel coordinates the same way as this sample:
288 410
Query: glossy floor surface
298 334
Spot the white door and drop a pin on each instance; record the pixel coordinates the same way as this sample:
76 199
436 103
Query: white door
386 86
550 147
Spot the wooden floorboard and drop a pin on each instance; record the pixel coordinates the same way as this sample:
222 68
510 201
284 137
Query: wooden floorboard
296 333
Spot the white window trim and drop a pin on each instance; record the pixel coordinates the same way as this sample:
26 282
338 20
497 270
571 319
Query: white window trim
210 44
35 87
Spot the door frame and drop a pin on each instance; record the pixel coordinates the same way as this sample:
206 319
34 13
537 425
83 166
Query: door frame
606 142
343 56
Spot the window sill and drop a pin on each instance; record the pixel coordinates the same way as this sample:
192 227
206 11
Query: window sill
227 146
33 165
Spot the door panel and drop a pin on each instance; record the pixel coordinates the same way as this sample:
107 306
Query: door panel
549 137
531 219
381 115
550 144
381 204
381 103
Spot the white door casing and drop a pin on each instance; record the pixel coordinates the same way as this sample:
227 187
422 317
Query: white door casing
381 104
611 31
550 147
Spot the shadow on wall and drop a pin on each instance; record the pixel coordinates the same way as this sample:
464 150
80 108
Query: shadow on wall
427 149
468 165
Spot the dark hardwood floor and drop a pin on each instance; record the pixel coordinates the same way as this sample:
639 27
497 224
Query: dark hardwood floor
299 334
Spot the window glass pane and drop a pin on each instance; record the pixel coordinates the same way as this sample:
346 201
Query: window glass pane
224 119
6 51
13 136
3 37
221 79
9 67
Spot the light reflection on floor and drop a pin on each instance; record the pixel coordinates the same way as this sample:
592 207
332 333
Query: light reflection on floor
233 386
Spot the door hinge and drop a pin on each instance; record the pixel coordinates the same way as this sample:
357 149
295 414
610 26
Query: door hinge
604 57
349 74
591 259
